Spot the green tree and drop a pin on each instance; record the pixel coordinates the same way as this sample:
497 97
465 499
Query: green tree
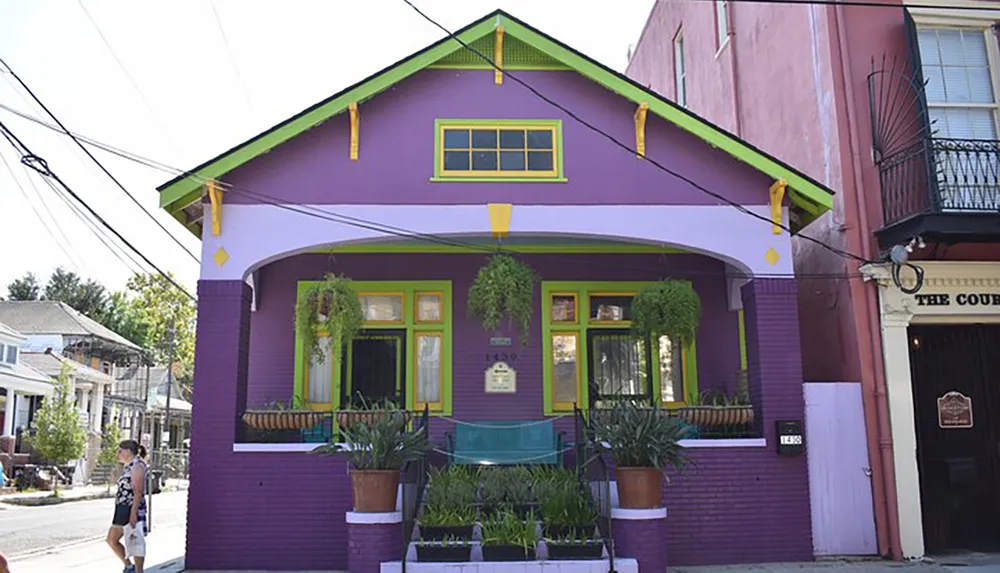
88 297
158 307
24 288
109 441
123 316
59 432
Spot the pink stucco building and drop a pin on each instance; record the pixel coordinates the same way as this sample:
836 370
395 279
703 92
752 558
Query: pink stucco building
896 110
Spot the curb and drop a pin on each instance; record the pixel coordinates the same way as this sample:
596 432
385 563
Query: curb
46 500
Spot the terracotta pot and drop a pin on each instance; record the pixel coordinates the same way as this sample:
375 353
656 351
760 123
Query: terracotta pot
639 488
374 490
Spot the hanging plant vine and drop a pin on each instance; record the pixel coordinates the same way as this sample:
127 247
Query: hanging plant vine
504 287
669 307
330 306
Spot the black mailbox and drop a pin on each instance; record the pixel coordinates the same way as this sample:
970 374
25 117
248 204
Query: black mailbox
790 438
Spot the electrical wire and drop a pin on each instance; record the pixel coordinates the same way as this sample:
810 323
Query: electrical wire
743 209
99 164
45 206
41 166
232 58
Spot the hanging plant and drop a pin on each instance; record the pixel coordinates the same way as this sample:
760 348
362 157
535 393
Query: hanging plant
670 308
330 306
504 287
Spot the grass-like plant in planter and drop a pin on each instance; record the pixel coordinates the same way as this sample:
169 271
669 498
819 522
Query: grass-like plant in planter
360 411
509 537
643 442
506 489
504 288
574 545
715 408
669 307
282 415
330 306
447 550
448 509
567 511
377 449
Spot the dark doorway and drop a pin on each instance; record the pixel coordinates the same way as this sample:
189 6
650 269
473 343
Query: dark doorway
619 367
374 368
959 466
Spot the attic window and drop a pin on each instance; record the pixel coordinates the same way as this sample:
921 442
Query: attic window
499 149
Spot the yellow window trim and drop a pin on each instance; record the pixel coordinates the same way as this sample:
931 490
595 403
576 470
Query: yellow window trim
416 306
566 406
576 307
402 307
437 406
498 174
616 323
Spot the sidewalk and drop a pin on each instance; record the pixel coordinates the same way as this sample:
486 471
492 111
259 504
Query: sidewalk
76 493
985 565
165 555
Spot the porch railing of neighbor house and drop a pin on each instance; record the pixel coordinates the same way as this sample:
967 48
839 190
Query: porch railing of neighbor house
173 463
413 480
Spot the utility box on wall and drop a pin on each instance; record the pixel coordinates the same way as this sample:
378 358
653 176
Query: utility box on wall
791 440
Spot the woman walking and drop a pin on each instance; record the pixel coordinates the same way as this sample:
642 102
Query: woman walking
130 509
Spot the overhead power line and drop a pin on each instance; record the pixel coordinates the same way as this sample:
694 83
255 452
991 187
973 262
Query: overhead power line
41 166
99 164
232 58
631 150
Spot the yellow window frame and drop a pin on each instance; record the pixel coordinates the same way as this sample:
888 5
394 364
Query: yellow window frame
402 307
416 307
611 323
576 307
437 406
552 126
565 406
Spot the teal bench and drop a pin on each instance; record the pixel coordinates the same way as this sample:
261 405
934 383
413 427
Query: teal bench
506 443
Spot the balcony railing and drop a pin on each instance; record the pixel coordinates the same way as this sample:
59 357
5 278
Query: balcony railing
935 175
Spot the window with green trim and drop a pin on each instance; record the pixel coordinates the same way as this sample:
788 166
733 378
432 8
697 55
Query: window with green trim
591 356
403 352
498 149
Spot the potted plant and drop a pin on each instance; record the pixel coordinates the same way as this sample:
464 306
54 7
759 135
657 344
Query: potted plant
667 308
575 545
276 415
643 442
448 507
329 307
377 450
506 489
566 511
716 408
509 537
448 550
504 287
360 411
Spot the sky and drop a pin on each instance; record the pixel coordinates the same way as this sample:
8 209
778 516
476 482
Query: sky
181 81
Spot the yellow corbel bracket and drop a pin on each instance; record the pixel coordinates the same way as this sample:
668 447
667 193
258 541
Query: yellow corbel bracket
640 129
498 56
777 193
500 218
353 108
215 197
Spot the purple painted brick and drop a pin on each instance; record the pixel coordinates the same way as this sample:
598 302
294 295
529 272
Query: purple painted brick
643 541
368 545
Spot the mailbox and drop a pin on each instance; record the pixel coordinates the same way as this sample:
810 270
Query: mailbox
790 439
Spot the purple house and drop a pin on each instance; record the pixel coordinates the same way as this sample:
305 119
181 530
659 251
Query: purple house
407 182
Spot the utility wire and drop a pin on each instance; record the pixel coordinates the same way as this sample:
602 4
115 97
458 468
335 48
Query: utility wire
332 216
45 206
232 58
41 166
99 164
630 149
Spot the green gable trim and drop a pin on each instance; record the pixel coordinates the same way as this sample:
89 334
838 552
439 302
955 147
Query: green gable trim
517 55
811 196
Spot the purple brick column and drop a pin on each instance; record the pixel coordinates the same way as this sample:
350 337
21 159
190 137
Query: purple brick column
220 388
639 534
373 538
774 375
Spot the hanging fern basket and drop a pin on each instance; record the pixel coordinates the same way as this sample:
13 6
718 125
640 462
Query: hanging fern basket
330 307
504 288
669 307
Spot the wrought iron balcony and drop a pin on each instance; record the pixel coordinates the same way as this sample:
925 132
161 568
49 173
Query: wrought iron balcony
942 189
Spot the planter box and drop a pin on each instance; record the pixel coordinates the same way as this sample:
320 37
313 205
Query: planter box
440 532
508 553
560 531
586 550
443 553
717 415
347 417
282 420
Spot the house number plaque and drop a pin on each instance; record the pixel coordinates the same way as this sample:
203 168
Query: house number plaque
954 411
501 379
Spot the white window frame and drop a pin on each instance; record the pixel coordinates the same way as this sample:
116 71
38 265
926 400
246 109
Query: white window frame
721 24
680 69
7 352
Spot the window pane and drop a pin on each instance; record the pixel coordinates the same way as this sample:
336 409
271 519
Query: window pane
540 161
512 160
539 139
563 308
429 307
379 307
618 366
671 373
565 368
512 139
484 139
456 160
611 307
428 387
456 138
484 160
12 354
319 376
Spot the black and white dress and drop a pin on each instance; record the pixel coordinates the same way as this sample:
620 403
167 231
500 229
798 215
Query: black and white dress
126 494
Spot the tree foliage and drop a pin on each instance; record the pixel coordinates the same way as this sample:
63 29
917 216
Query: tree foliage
59 433
24 288
109 442
87 296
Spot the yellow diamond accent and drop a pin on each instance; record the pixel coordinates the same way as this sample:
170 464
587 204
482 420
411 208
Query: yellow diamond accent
771 256
221 256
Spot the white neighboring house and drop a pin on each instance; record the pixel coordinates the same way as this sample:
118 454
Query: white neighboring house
90 386
21 388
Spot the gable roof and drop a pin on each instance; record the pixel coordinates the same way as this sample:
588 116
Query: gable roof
51 364
54 317
807 195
